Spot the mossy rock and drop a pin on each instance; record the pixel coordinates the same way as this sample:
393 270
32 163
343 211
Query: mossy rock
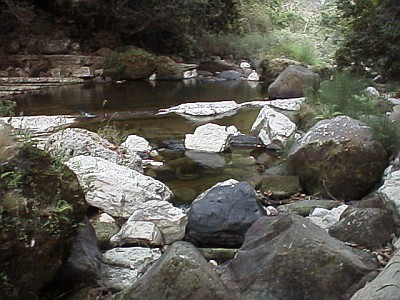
305 207
338 158
134 64
41 206
279 186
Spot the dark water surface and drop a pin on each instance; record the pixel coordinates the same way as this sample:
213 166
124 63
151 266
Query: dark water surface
185 173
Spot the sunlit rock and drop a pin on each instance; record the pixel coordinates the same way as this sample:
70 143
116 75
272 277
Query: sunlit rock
210 138
115 189
273 127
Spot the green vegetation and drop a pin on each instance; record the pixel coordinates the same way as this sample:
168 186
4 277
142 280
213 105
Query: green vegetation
371 36
7 108
345 95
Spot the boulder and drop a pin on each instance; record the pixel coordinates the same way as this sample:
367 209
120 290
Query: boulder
288 257
368 227
291 82
72 142
271 68
168 69
180 273
115 189
230 75
273 127
169 220
338 157
83 266
385 286
216 65
210 138
41 204
221 215
136 64
135 143
38 125
122 267
141 233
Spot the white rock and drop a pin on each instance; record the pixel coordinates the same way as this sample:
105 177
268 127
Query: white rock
210 138
244 65
202 108
138 232
116 189
190 74
72 142
253 76
170 220
326 218
292 104
38 124
136 143
106 218
124 266
394 101
372 91
83 72
390 190
273 126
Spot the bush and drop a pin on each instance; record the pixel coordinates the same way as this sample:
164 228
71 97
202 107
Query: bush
344 95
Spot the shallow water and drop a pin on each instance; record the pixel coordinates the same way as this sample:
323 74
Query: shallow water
186 173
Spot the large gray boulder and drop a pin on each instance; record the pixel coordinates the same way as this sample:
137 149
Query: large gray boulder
368 227
390 190
116 189
291 82
221 215
71 142
288 257
180 273
338 157
83 266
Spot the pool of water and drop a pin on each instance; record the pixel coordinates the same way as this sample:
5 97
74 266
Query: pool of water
186 173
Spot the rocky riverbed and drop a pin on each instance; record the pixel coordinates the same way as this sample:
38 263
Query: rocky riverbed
323 223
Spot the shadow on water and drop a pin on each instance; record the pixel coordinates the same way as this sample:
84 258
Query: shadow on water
187 173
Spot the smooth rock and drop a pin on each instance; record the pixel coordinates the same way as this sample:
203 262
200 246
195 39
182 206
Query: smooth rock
180 273
338 157
291 82
122 267
116 189
202 108
288 257
221 215
210 138
207 159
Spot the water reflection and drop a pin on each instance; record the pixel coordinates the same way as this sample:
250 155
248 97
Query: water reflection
187 173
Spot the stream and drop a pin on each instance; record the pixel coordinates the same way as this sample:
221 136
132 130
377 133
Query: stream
186 173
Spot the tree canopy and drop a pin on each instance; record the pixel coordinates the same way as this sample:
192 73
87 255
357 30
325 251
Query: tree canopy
372 35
